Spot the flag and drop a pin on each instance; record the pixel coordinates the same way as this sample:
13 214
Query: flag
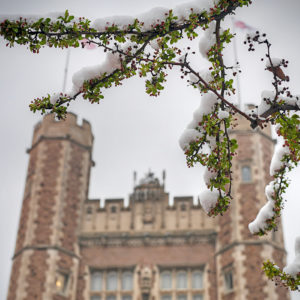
241 25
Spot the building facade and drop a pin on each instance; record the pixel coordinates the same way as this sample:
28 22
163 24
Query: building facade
68 247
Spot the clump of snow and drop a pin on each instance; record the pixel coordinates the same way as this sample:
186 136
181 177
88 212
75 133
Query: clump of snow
267 98
121 22
276 163
275 61
182 11
187 137
208 175
30 19
222 114
155 44
293 268
209 199
152 17
111 63
265 213
54 98
208 40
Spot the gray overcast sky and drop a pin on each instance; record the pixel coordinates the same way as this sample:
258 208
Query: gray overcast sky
132 131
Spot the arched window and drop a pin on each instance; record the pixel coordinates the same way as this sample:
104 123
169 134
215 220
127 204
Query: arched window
127 281
112 281
246 174
197 280
181 280
166 280
96 281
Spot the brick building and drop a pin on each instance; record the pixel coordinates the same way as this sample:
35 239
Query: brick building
68 247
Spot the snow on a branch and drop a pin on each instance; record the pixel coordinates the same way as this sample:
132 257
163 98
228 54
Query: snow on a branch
279 153
155 16
182 11
208 175
293 268
30 19
275 61
265 213
190 134
148 19
209 199
208 40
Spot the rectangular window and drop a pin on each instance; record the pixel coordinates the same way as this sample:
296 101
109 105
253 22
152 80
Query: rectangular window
166 280
197 280
96 281
126 297
181 297
112 281
111 297
181 280
246 174
198 297
126 281
166 297
228 280
95 297
61 283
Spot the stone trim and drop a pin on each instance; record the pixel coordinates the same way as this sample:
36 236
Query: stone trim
140 240
245 132
61 138
258 243
43 248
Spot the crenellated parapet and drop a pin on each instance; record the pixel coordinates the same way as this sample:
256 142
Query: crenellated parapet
50 128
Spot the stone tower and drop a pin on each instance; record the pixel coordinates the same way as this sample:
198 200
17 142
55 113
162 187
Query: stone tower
240 254
46 258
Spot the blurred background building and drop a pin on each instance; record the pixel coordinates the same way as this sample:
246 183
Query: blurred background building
70 247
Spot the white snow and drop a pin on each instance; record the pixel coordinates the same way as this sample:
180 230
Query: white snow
265 213
208 40
293 268
222 114
188 136
276 163
208 175
54 98
209 199
275 61
30 19
155 44
182 11
121 22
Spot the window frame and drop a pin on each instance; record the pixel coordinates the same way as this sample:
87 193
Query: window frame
246 177
178 273
165 272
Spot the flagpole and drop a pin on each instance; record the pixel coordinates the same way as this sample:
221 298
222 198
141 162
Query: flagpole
236 63
66 70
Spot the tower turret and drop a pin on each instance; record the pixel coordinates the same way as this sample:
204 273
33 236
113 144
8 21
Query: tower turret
46 258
